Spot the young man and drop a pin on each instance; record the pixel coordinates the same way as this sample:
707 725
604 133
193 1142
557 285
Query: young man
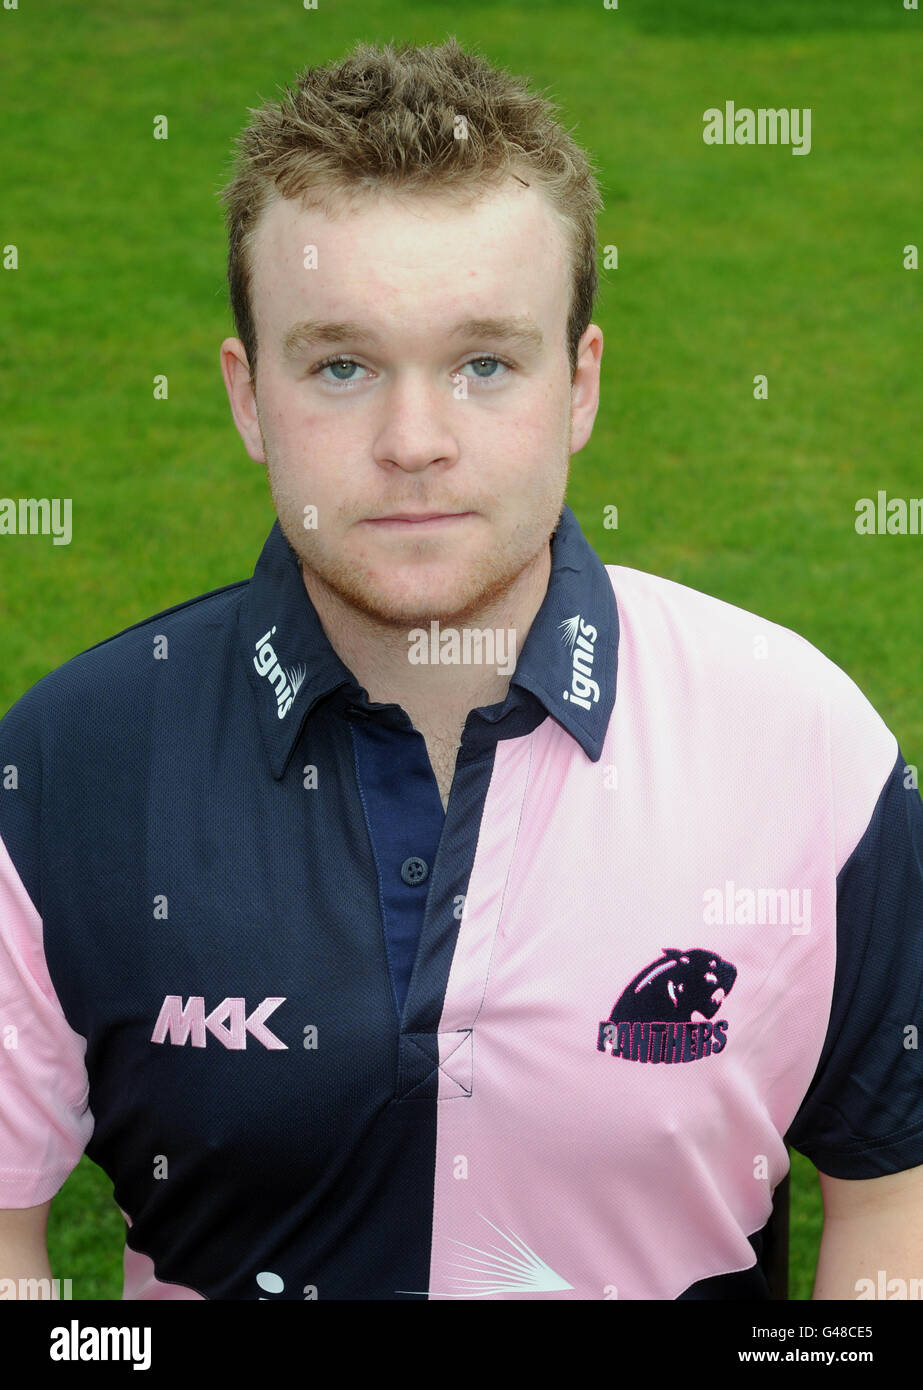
372 977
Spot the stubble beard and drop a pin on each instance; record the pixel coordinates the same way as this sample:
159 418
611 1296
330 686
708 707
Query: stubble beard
340 582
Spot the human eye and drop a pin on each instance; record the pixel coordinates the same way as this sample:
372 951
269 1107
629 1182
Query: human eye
489 359
336 382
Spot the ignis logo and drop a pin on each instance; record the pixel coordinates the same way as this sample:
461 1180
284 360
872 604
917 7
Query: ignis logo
580 637
285 683
229 1023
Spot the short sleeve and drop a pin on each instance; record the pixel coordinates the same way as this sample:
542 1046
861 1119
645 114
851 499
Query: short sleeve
862 1116
45 1120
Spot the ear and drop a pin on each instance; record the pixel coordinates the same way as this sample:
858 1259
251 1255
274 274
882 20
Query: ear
672 951
236 372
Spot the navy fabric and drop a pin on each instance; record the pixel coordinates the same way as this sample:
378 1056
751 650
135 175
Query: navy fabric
877 1008
404 817
186 833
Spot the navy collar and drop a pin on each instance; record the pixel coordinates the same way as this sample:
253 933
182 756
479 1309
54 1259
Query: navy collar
568 661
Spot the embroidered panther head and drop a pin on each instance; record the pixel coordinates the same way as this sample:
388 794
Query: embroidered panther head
676 986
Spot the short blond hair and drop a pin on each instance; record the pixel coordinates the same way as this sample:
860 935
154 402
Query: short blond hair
384 118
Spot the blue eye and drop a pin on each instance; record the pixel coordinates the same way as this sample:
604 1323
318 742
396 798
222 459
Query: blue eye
349 364
491 360
337 362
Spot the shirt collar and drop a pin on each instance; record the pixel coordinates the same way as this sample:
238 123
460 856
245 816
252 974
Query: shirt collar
568 661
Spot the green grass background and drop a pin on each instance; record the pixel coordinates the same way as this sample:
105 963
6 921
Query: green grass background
732 261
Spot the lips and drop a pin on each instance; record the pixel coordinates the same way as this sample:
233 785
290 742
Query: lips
419 518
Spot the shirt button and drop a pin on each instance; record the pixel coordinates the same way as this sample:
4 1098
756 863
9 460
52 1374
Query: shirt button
414 870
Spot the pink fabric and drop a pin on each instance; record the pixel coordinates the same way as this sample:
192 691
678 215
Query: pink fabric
45 1124
563 1171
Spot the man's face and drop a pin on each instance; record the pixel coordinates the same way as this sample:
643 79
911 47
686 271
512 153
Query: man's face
414 420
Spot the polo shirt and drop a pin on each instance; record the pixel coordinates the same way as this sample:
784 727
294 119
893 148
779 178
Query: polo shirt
329 1041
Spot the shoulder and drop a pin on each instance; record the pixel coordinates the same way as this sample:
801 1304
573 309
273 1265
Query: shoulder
726 675
678 614
121 672
712 638
70 742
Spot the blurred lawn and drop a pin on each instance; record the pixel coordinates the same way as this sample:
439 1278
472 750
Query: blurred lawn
732 261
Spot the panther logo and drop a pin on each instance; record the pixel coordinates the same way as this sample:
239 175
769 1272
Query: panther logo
682 987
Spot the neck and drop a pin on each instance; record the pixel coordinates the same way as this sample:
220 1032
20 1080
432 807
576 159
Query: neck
434 694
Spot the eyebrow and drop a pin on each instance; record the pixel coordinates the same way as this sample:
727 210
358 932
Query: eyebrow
519 330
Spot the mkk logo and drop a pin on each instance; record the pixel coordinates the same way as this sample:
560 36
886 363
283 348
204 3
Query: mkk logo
663 1014
229 1022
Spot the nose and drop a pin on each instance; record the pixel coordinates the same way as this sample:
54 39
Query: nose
415 425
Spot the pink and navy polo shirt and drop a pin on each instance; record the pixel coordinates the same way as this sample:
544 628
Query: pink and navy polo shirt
329 1041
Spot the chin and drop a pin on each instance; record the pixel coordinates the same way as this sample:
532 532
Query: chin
411 610
419 588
